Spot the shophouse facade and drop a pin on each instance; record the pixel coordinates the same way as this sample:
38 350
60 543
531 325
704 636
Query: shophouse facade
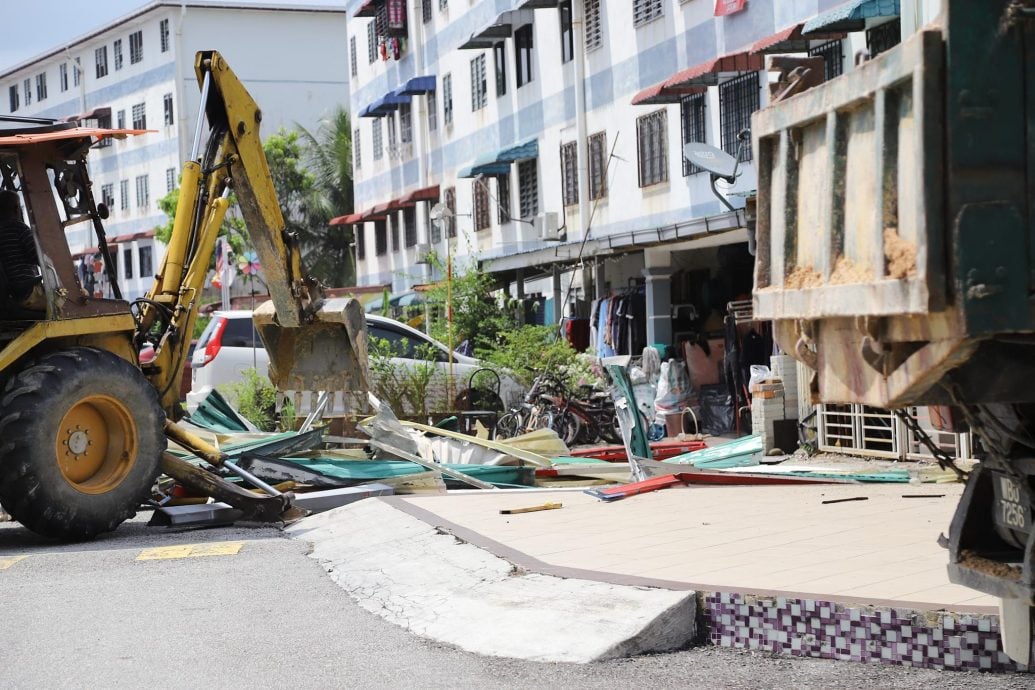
550 137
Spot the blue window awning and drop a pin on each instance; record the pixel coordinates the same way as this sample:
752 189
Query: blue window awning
486 164
498 162
417 86
851 16
529 149
384 105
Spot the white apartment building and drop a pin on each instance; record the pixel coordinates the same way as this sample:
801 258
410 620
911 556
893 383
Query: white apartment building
553 132
138 72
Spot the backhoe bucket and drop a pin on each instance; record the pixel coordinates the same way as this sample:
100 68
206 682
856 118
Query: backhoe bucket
327 354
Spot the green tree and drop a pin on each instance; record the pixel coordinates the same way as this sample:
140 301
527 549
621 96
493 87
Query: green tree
233 225
328 155
479 314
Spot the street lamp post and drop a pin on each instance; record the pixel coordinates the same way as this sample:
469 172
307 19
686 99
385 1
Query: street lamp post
440 212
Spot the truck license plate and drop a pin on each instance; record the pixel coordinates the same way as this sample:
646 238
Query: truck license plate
1013 504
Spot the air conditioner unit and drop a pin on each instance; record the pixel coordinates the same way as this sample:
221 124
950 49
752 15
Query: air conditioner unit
421 253
546 227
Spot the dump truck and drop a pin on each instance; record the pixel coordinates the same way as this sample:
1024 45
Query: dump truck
84 423
896 258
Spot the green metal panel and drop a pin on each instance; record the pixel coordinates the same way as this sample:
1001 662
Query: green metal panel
988 158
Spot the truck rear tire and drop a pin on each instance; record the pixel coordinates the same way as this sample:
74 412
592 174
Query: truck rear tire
81 438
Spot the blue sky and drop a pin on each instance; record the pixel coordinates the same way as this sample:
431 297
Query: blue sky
31 27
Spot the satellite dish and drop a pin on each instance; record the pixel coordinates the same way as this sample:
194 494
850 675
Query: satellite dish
711 159
440 211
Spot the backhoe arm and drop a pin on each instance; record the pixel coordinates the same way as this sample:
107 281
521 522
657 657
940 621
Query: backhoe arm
313 344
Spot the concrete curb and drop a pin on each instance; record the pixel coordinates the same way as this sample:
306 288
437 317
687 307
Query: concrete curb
447 590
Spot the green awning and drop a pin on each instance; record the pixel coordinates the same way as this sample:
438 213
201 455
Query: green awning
498 162
529 149
486 164
851 16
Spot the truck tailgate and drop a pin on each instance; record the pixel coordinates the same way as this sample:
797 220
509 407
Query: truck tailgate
850 203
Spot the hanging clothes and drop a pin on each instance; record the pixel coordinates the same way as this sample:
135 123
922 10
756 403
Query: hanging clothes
604 348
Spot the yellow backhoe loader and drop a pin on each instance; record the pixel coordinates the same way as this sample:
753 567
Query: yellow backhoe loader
83 423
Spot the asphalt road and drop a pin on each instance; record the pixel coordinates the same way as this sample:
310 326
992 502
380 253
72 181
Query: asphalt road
94 615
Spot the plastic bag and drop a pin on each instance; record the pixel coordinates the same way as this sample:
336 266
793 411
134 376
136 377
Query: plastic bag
673 387
759 374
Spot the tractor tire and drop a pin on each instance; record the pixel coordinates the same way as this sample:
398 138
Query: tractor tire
81 438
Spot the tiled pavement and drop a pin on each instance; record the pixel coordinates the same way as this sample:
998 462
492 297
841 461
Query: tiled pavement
776 568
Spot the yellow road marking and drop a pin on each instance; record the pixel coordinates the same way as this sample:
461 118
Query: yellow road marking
8 561
225 548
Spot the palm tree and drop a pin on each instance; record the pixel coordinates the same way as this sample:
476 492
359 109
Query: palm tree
328 156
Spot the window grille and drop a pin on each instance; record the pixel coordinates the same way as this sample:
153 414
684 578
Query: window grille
359 231
425 7
121 119
76 72
447 99
100 58
124 195
523 47
116 54
651 147
353 67
567 36
63 75
503 199
479 90
139 116
167 109
570 173
108 195
528 188
146 267
645 11
380 237
170 179
136 47
738 98
105 123
393 220
598 165
405 123
163 34
432 112
499 56
883 37
143 193
450 196
41 86
409 215
481 204
392 138
27 90
691 111
12 93
356 151
379 151
594 30
434 227
833 59
371 42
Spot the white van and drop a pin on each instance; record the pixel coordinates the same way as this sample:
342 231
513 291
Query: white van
230 345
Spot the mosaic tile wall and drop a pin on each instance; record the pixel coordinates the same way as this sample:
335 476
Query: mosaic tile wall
827 630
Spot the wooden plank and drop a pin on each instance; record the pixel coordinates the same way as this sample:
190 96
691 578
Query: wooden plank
531 509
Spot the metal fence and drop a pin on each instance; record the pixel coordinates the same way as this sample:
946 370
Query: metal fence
878 433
